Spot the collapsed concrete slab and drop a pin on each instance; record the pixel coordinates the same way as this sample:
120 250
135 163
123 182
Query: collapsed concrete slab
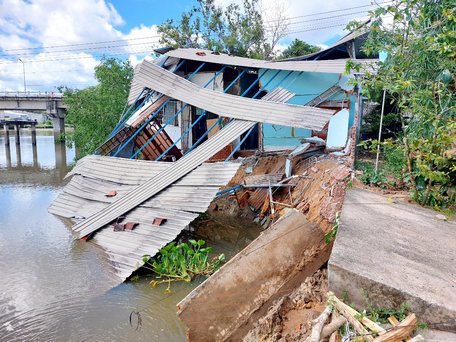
387 254
244 288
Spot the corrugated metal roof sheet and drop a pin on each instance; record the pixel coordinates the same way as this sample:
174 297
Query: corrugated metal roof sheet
125 249
135 88
279 94
162 180
85 194
165 82
327 66
134 172
350 36
75 204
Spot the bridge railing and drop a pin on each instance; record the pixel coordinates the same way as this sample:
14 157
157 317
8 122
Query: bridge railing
36 94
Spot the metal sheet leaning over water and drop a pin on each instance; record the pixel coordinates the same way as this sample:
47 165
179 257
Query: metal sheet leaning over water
164 179
135 172
85 195
172 85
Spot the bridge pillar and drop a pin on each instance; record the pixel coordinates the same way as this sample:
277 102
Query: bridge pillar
6 130
35 155
33 131
8 156
18 155
17 130
59 126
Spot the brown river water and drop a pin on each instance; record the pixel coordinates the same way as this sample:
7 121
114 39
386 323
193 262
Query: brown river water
52 287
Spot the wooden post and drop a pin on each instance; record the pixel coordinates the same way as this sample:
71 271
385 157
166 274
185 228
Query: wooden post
33 129
6 130
17 133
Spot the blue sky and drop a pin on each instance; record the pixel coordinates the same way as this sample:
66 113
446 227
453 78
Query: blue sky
149 12
30 31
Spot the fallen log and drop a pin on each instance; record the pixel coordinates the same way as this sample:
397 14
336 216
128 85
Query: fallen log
317 325
399 332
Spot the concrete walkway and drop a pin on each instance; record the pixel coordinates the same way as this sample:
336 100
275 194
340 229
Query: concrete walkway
387 254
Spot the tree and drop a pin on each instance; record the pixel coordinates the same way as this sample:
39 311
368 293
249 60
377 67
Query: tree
419 75
236 30
94 111
298 48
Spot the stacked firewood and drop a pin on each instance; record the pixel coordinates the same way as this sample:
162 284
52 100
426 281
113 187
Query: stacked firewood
358 327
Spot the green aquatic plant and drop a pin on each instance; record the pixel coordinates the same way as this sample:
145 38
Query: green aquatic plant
182 262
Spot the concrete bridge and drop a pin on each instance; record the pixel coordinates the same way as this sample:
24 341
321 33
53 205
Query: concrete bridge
51 103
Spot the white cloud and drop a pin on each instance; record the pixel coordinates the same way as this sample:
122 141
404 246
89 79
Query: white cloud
50 23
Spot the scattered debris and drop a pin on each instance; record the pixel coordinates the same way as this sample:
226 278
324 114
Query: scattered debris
357 327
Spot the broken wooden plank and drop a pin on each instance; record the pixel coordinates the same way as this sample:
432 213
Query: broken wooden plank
342 307
399 332
363 319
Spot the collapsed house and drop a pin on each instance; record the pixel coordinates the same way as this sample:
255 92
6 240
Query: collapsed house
188 108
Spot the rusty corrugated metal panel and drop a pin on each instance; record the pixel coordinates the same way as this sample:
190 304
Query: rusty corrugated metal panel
327 66
163 81
114 142
257 198
158 145
171 174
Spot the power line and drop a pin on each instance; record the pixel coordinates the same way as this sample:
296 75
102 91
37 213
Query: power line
101 48
326 18
158 36
317 28
101 54
80 44
335 11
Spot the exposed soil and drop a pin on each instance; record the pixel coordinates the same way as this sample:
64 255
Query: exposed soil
288 319
318 190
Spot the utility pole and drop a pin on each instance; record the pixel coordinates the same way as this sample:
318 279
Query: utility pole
23 70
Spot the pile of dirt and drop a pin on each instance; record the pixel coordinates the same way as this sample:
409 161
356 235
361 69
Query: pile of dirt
288 319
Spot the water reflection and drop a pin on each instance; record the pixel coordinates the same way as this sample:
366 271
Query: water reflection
45 163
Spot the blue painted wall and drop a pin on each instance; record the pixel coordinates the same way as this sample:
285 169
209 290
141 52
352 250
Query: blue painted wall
306 87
